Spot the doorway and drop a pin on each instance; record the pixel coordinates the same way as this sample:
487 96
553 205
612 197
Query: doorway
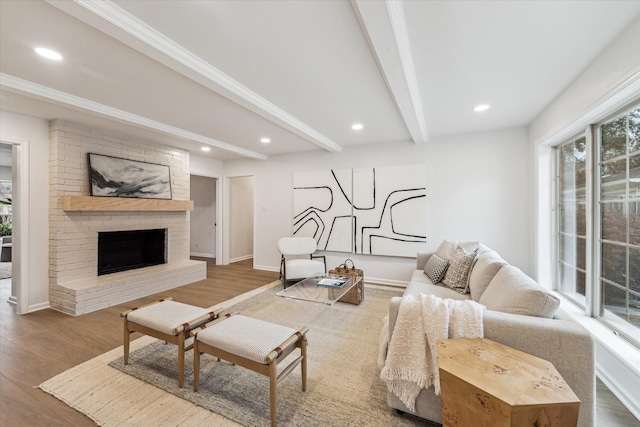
241 218
204 236
14 158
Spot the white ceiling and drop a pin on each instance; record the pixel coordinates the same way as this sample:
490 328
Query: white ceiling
226 73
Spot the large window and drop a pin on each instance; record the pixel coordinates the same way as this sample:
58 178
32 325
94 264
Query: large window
598 207
619 197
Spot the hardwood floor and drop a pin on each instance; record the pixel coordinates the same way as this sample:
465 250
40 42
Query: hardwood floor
40 345
37 346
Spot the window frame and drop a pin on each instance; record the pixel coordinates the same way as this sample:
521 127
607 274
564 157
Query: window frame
593 304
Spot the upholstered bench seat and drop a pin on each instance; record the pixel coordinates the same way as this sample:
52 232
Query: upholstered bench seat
167 316
253 344
167 320
246 337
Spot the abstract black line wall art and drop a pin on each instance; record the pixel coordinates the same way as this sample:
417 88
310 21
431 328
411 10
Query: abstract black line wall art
116 177
390 210
322 208
376 211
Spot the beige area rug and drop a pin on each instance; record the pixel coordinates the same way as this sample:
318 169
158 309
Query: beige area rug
5 270
343 388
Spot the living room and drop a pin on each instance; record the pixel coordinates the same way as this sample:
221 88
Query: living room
493 183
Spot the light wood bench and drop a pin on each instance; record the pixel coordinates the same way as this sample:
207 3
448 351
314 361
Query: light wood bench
167 320
253 344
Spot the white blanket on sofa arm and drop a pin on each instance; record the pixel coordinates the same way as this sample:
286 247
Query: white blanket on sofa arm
412 355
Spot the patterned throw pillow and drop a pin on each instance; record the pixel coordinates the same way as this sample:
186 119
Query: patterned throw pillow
457 275
436 267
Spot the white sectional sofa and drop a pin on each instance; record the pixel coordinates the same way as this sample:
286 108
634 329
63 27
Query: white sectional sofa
519 313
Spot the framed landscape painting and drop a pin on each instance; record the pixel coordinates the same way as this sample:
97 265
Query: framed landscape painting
116 177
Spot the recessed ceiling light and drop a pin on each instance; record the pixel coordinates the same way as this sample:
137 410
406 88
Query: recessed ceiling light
356 126
265 140
205 149
483 107
48 53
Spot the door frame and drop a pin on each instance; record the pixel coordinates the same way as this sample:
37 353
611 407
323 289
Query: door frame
227 214
20 224
219 218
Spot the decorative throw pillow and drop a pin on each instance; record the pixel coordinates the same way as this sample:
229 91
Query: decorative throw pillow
457 275
436 267
447 249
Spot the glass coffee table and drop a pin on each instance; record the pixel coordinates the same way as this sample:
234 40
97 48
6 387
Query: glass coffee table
324 297
312 289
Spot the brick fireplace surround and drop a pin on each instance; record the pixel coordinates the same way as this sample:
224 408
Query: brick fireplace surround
74 285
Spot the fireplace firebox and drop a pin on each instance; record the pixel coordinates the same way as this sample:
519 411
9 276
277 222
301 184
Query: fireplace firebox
128 250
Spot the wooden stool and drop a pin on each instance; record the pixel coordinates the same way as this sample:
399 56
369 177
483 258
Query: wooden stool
167 320
253 344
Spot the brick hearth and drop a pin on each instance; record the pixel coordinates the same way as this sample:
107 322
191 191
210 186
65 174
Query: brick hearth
74 286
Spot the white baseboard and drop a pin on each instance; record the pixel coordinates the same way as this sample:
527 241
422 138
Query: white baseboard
203 255
241 258
35 307
386 282
266 268
38 307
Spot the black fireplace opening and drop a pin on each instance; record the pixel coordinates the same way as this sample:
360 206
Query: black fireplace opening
127 250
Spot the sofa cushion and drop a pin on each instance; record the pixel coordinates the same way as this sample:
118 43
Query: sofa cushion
419 276
512 291
457 275
415 288
436 267
487 264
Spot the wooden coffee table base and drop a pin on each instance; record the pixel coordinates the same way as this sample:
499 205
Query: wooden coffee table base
484 383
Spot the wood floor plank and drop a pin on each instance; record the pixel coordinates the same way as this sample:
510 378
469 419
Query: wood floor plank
18 408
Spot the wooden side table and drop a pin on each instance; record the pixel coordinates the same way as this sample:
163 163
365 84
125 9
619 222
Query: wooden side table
484 383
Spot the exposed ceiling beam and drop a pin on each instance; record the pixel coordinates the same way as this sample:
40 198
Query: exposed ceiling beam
384 26
123 26
15 84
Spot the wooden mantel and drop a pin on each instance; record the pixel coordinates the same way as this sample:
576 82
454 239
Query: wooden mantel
90 203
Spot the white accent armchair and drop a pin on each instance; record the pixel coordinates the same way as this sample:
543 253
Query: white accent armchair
298 261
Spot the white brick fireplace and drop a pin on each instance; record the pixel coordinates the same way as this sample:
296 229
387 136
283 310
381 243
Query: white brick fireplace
74 285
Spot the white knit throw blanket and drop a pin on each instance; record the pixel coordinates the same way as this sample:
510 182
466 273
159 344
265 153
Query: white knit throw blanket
412 356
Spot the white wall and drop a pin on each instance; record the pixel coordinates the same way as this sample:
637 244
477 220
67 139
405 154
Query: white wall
610 80
241 219
205 166
17 127
478 188
203 216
